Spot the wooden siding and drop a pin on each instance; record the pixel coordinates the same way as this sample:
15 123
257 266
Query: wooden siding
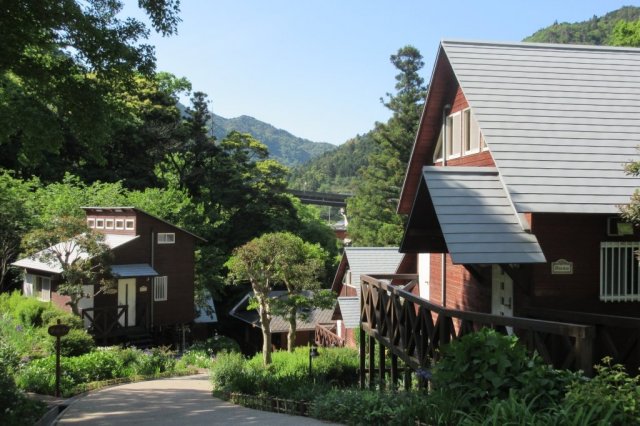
480 159
577 239
463 291
559 120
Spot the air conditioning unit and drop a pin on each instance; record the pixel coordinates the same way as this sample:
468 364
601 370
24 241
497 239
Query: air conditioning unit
616 227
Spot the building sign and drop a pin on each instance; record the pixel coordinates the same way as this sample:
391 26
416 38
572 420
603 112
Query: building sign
562 267
143 289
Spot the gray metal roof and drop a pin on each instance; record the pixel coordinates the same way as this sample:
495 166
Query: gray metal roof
206 314
350 311
477 218
372 260
560 120
33 262
133 270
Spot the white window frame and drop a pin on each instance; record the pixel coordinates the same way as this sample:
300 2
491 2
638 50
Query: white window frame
619 271
160 288
437 154
129 224
99 223
119 224
454 139
108 224
166 238
91 223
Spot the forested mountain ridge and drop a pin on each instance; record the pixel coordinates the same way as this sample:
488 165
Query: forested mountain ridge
597 30
288 149
336 170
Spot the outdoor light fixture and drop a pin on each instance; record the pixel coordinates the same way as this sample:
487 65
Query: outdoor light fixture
313 353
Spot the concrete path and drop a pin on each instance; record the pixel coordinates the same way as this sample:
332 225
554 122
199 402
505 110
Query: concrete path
182 401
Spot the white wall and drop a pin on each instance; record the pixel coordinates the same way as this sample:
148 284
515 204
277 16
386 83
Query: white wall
424 268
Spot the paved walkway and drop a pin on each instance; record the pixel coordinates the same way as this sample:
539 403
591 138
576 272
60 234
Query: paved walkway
182 401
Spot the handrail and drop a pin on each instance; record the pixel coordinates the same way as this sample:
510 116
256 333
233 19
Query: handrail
404 323
325 337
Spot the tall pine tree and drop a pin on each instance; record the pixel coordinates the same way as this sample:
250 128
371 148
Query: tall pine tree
372 210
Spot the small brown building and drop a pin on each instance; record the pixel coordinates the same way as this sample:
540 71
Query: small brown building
153 263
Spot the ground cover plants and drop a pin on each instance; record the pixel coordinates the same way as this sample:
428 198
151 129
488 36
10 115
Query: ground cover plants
484 378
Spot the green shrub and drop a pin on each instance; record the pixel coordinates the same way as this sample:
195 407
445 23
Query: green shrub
15 408
611 394
51 317
155 361
29 312
229 374
76 343
486 365
195 358
214 345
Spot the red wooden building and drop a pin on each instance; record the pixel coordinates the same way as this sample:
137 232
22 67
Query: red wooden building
153 263
513 191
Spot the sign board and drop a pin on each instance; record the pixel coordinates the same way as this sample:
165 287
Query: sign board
58 330
562 267
143 289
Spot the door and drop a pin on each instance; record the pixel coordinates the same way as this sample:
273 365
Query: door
127 296
501 293
86 302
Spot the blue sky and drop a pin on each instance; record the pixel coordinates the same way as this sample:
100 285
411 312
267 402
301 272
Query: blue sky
317 68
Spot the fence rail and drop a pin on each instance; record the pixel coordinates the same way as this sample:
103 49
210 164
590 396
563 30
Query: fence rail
413 329
326 337
103 321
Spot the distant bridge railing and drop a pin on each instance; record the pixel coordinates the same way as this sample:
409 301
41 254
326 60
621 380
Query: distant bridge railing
321 198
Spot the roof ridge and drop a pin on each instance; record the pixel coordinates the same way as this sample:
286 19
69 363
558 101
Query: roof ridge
535 45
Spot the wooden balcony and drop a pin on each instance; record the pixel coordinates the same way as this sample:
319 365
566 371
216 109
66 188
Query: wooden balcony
413 329
106 323
326 336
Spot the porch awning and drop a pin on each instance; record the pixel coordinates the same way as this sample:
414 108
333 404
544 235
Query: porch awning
466 212
133 270
350 310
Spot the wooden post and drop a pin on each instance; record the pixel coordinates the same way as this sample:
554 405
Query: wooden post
394 371
584 352
407 378
372 362
382 365
363 357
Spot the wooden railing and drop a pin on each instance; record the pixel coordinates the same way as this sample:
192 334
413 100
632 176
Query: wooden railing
413 329
617 337
326 337
104 321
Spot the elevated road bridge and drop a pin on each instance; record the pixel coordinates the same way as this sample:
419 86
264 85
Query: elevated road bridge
321 198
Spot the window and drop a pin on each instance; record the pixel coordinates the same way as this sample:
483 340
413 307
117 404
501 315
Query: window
129 224
91 223
108 224
166 238
437 156
619 271
119 224
160 289
463 136
100 223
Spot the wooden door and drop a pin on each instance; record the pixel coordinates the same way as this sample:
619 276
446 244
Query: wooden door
501 293
127 296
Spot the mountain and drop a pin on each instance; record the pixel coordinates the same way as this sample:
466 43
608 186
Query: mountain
596 30
288 149
337 170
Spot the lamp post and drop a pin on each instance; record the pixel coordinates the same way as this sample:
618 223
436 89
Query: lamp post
313 353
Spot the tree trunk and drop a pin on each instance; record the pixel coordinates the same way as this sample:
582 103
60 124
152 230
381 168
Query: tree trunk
265 323
291 338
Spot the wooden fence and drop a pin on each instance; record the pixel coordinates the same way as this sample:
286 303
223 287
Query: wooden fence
412 330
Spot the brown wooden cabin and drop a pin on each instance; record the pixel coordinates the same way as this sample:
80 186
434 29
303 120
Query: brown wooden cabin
250 336
513 191
153 263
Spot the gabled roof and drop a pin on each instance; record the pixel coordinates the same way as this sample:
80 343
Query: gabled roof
476 218
31 262
278 323
98 209
350 311
559 120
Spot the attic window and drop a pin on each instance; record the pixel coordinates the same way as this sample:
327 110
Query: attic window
119 224
166 238
100 223
129 224
108 224
463 136
91 223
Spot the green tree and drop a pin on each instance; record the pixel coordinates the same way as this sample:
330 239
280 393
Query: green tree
16 218
299 265
374 221
80 253
61 65
626 34
254 262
